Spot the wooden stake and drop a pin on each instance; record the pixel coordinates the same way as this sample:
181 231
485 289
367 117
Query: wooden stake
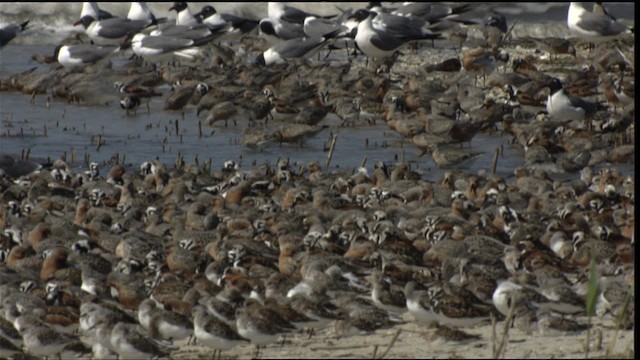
330 155
495 161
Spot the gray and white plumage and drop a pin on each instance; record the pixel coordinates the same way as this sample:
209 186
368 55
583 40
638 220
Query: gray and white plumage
184 32
374 42
593 25
8 32
314 26
276 31
429 12
213 332
403 26
185 16
91 8
563 106
82 54
291 49
130 344
227 23
140 11
155 46
14 167
283 12
111 31
39 339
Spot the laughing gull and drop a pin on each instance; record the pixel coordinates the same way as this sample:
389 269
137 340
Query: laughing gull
140 11
229 23
429 12
562 106
14 168
276 31
281 11
593 26
378 43
111 31
403 26
185 17
82 54
7 33
314 26
92 9
293 49
154 47
186 32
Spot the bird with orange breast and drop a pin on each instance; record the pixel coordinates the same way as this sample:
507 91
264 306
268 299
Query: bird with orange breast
55 266
129 289
181 257
621 94
24 260
478 62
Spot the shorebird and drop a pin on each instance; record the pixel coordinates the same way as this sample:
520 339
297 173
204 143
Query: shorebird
384 297
213 332
163 324
259 324
495 27
130 103
620 94
130 344
419 303
479 61
39 339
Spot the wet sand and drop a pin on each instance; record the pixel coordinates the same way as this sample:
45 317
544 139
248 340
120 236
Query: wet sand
421 342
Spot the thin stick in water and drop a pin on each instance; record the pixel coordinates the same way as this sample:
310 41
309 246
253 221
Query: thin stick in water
331 147
495 161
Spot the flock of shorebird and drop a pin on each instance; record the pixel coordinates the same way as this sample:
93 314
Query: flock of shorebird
122 264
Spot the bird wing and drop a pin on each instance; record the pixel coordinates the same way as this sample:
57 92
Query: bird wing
386 42
296 48
601 24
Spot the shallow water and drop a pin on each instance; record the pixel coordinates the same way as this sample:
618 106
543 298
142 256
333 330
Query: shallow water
74 129
141 137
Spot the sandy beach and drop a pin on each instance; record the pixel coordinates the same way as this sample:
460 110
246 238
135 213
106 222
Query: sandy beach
423 343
